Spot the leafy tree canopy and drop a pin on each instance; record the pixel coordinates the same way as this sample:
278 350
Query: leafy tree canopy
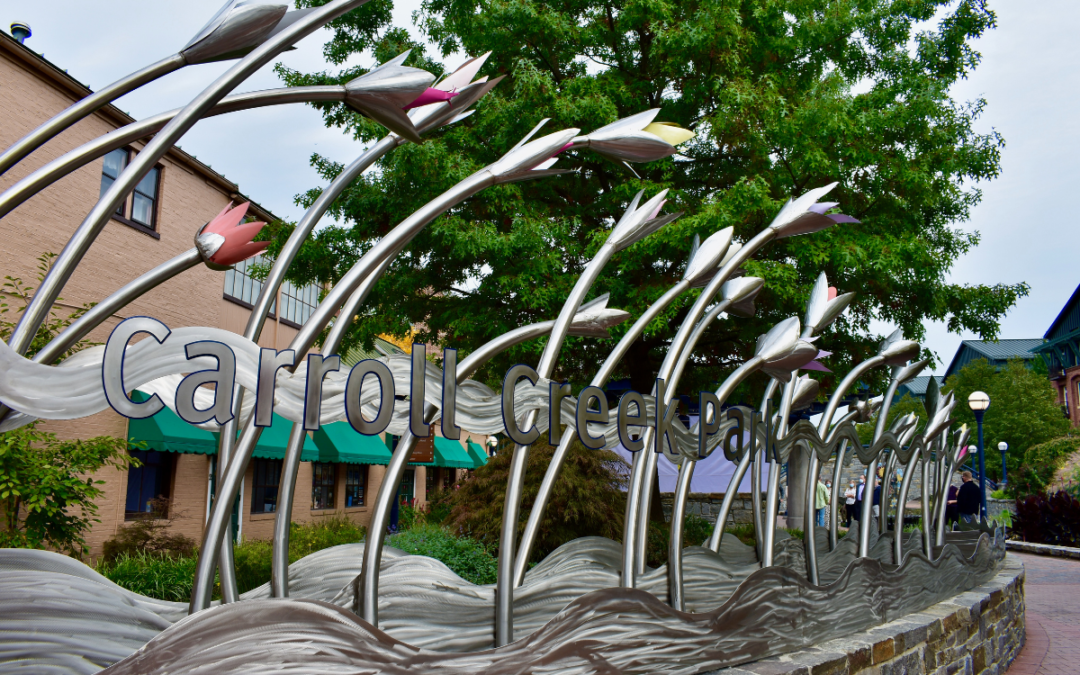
1023 410
784 96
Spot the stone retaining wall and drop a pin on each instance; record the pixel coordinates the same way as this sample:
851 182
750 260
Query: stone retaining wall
975 633
1043 549
707 505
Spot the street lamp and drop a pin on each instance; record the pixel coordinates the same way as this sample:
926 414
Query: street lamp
979 402
1003 446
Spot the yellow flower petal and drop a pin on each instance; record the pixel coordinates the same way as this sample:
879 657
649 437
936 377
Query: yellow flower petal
672 133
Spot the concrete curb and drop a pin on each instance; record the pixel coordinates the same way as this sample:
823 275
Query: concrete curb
1043 549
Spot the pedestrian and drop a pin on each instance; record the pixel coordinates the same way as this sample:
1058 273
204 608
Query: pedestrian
951 514
821 500
857 512
849 502
968 499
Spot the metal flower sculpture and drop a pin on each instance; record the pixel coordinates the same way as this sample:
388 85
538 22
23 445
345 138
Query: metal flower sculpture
226 240
704 260
636 138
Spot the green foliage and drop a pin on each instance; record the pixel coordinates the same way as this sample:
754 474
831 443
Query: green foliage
152 574
744 531
468 558
409 516
158 574
907 404
782 96
1004 519
586 500
47 494
696 532
149 534
998 494
1023 412
1039 464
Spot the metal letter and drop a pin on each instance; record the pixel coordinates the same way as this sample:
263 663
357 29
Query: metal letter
223 377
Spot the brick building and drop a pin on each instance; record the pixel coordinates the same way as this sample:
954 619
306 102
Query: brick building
1061 352
158 222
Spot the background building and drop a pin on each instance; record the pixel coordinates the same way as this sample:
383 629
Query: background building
157 222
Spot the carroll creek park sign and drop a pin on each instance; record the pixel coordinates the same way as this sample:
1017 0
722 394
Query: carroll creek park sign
591 606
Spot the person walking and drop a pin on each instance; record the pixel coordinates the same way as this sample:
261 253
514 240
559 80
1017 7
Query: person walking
849 503
821 500
859 490
968 499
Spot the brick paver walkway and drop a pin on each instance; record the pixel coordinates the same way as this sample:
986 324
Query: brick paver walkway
1052 597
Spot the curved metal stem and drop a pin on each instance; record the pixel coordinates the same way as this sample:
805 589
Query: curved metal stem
834 499
883 516
682 490
643 472
809 536
87 106
678 514
871 473
305 338
942 504
536 514
82 326
367 601
62 269
119 138
772 496
901 506
928 549
504 594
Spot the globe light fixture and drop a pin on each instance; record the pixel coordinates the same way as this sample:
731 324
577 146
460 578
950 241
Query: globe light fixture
979 402
1003 447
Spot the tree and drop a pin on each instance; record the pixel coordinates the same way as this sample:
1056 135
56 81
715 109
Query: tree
586 501
46 497
1023 410
783 97
46 494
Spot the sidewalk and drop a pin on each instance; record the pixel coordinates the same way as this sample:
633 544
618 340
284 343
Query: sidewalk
1052 591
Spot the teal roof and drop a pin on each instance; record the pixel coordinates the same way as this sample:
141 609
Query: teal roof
997 353
339 442
274 440
357 354
166 432
450 454
477 452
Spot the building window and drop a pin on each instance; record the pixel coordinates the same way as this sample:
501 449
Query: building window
139 209
355 481
407 489
241 287
448 478
297 304
323 481
148 482
266 477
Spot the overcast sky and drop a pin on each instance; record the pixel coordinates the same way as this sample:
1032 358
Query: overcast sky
1028 77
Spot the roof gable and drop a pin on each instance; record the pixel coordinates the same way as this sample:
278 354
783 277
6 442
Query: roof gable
1067 320
994 352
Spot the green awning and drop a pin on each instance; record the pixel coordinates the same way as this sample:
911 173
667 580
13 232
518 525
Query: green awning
274 441
166 432
339 442
476 451
450 454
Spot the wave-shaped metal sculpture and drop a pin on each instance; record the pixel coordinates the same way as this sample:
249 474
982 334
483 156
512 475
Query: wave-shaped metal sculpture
591 606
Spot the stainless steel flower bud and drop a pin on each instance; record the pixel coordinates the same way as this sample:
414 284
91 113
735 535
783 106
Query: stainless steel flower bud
236 29
741 293
806 392
594 318
821 311
383 92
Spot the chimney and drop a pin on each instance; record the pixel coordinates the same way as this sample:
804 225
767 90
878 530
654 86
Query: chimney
20 31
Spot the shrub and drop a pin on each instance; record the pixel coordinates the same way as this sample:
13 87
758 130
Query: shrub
468 558
149 534
1041 462
152 574
1053 519
586 499
46 496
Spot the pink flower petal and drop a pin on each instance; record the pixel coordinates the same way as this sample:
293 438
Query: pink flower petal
431 96
814 365
832 292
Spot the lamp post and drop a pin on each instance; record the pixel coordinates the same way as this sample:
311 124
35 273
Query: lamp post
979 402
1003 447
